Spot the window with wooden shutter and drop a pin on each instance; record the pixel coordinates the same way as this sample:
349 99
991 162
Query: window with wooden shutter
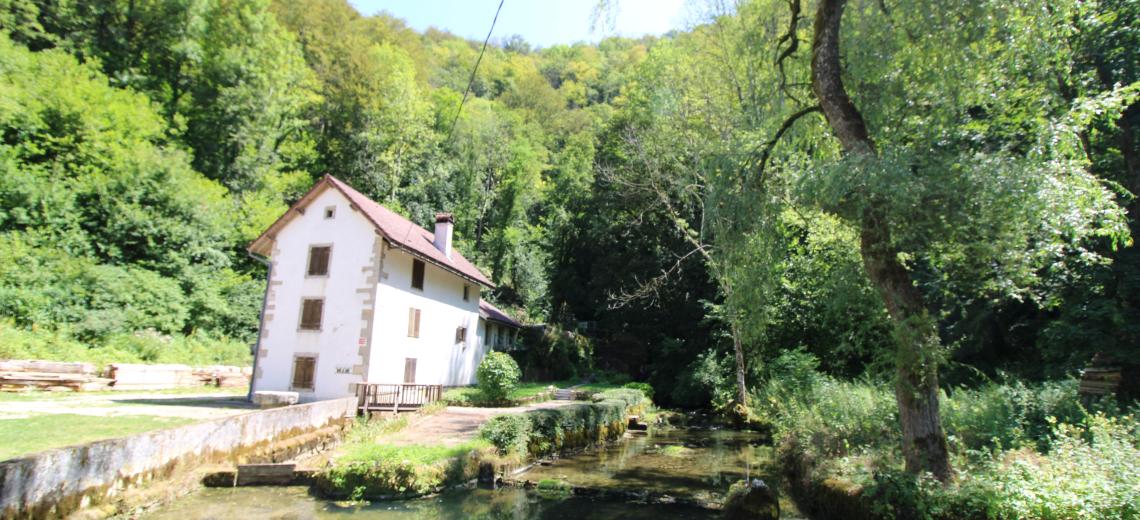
304 372
319 260
460 334
413 322
417 274
311 311
409 370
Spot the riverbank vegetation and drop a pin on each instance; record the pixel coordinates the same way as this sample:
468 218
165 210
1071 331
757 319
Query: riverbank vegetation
369 467
1020 450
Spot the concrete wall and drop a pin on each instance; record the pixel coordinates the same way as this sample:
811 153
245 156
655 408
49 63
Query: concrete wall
439 359
348 290
55 483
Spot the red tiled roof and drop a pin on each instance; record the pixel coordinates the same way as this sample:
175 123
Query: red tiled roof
490 312
397 230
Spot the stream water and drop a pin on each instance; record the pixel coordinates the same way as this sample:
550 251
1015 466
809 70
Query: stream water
687 465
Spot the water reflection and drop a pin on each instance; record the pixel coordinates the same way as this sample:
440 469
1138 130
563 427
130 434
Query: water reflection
685 464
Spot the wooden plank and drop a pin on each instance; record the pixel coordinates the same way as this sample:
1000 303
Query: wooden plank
58 367
265 474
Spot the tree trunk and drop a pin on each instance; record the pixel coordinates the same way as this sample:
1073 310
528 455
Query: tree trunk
738 350
916 338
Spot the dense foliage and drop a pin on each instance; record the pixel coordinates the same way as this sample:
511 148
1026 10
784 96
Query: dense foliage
552 430
498 374
1021 451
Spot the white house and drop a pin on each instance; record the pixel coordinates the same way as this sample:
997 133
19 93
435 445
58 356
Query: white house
357 293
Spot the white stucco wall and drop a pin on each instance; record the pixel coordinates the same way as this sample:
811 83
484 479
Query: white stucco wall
439 359
345 291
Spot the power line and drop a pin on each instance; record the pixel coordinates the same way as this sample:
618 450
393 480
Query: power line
473 71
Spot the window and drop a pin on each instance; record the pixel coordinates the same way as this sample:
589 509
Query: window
319 260
461 334
311 311
417 274
466 292
409 370
304 371
330 212
413 322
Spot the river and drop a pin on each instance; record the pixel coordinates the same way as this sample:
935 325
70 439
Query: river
662 471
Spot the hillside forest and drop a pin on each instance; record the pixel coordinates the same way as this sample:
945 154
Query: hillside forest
910 198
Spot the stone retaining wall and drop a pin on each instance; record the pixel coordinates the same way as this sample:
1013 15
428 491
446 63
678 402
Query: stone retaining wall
55 483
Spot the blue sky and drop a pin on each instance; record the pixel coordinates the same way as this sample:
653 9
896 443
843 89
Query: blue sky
540 22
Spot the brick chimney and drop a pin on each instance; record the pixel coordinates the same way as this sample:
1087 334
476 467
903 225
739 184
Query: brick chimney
444 224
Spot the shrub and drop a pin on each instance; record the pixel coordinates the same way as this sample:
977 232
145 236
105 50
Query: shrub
497 374
543 431
644 387
508 433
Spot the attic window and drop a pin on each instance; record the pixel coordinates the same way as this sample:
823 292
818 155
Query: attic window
330 212
466 292
417 274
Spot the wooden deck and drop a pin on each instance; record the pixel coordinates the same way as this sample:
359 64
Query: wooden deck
378 397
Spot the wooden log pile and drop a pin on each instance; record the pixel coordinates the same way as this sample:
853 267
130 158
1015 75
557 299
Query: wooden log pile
49 375
18 375
223 376
1099 381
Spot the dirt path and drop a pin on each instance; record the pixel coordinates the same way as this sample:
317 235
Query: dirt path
456 424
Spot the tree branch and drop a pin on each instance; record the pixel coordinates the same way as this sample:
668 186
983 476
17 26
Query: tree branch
771 144
790 36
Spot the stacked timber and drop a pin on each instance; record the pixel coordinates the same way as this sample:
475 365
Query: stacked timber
1099 381
130 376
49 375
223 376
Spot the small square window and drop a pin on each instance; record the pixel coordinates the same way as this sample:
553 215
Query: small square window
330 212
417 274
461 334
311 311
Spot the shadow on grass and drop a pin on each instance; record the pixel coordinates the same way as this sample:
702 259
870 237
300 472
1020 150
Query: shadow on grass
228 402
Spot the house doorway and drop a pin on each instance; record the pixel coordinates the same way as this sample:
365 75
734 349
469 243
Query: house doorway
409 370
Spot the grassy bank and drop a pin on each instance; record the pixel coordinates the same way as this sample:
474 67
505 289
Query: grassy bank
545 431
41 432
472 396
1019 450
369 468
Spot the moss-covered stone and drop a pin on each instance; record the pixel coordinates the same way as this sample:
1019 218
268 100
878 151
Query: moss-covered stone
752 500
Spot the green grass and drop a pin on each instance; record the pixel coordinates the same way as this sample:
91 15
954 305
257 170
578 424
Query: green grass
470 395
415 454
41 432
597 387
58 396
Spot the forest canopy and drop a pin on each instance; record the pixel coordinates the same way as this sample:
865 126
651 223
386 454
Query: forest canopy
682 201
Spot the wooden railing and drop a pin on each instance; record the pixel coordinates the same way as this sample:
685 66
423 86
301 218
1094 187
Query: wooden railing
373 397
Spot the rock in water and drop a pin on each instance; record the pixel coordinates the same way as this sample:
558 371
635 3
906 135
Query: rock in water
752 500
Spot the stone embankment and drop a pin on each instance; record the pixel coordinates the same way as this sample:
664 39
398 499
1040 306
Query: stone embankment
103 475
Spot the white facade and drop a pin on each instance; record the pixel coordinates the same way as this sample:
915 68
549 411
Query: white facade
364 334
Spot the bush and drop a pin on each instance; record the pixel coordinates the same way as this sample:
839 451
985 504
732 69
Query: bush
508 433
497 374
644 387
552 354
141 347
544 431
